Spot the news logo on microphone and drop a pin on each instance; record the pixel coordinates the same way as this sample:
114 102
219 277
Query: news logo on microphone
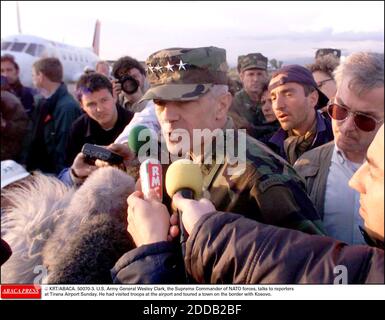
151 177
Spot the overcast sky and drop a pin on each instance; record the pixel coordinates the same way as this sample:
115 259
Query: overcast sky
281 30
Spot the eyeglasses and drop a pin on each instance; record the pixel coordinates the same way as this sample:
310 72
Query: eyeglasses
321 83
362 121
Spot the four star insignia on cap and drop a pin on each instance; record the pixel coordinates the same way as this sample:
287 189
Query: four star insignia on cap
181 65
168 67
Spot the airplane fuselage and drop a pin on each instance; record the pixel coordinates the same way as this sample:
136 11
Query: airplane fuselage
27 49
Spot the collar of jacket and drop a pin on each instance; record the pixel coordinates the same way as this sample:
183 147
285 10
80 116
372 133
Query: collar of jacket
209 171
371 241
279 137
250 104
91 123
213 152
60 92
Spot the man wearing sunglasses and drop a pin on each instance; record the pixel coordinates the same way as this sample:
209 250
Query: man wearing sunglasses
295 99
357 111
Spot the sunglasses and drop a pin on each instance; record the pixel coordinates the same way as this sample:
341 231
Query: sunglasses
362 121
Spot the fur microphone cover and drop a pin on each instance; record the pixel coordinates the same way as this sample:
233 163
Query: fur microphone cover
81 240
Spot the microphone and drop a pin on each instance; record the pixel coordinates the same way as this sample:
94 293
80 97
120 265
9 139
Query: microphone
184 176
151 177
139 136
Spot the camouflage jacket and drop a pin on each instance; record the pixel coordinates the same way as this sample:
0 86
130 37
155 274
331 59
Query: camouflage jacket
268 190
248 115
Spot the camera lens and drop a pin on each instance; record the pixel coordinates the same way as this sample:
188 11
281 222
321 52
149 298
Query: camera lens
129 85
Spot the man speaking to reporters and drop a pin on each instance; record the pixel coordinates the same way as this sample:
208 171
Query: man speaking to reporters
189 89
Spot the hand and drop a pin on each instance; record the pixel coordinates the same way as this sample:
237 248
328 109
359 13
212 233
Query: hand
121 149
148 220
116 88
81 168
192 211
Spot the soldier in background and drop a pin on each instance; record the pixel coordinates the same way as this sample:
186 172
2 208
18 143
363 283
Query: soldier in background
246 106
322 52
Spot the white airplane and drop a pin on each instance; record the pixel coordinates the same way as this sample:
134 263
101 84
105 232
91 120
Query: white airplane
27 49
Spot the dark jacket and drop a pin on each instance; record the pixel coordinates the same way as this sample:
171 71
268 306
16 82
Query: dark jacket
324 135
5 251
86 130
53 119
14 128
26 96
150 264
229 248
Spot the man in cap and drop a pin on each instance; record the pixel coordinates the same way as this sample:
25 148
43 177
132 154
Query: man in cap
328 51
246 106
296 99
189 89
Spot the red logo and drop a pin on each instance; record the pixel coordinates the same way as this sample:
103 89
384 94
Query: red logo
20 291
155 175
47 118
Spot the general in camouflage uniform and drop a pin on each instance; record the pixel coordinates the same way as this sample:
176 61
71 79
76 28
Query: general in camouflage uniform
246 107
268 190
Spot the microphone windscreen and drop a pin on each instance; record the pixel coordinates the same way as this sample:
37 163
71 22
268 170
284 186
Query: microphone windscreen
138 136
184 174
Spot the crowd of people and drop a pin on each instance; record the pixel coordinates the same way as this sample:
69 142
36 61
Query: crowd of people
308 198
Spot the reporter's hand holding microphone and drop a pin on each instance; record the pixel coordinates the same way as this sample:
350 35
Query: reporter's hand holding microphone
183 184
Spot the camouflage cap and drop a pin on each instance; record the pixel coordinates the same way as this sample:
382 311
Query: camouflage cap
183 74
252 61
325 51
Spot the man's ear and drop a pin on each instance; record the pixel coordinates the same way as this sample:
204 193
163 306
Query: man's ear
224 103
241 75
313 96
81 102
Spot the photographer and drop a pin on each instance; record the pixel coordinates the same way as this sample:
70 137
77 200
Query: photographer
129 83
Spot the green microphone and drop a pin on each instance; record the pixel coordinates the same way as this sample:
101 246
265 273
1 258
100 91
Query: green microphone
138 136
